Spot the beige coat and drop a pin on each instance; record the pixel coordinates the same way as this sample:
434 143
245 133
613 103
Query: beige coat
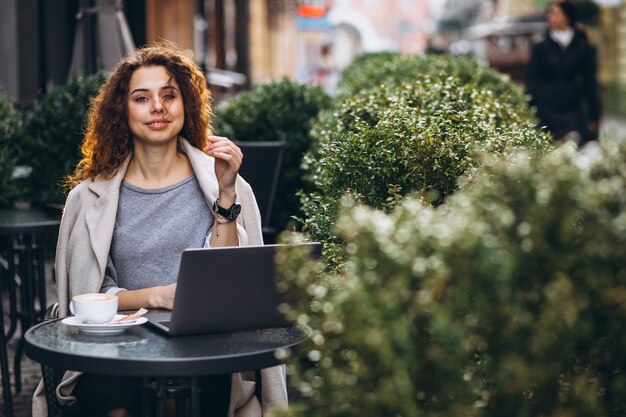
83 247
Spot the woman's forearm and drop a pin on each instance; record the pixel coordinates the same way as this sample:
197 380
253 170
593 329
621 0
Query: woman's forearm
153 297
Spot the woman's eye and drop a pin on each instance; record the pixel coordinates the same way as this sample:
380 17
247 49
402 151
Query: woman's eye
169 97
141 99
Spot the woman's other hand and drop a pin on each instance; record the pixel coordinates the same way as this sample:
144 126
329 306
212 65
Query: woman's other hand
165 296
153 297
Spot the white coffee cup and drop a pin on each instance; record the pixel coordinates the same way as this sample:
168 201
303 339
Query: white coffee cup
96 308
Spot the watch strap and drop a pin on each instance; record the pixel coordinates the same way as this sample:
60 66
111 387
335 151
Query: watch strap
228 214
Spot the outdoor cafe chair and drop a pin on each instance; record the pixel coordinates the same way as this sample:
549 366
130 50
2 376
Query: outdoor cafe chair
261 167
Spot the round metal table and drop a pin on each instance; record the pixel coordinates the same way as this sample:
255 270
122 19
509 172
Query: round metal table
142 351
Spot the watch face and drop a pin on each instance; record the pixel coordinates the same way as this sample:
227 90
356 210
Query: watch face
230 214
235 209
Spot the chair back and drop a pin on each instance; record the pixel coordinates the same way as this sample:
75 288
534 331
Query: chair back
262 162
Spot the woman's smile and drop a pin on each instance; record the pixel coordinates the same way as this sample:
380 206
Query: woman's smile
158 124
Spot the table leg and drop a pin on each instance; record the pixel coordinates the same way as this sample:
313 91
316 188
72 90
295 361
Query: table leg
161 394
28 282
195 397
28 309
41 280
4 367
180 408
145 400
17 364
11 287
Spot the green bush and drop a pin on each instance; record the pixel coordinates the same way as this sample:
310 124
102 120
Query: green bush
508 300
393 68
390 141
277 111
10 123
371 69
53 134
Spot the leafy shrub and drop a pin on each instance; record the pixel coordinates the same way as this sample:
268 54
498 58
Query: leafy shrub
393 68
372 69
53 134
10 123
390 141
277 111
508 300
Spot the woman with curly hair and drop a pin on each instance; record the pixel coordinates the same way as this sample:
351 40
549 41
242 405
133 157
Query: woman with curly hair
152 182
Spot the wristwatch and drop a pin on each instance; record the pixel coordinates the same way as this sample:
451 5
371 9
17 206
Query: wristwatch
230 213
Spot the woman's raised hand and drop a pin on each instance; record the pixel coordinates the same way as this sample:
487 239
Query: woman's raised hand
228 158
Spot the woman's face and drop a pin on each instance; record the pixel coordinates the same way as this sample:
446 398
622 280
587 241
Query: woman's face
557 20
155 106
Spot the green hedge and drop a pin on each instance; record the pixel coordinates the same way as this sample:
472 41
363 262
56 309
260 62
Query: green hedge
53 133
10 124
276 111
393 68
508 300
390 141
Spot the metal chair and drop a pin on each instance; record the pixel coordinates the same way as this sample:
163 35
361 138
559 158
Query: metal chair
262 162
4 361
22 281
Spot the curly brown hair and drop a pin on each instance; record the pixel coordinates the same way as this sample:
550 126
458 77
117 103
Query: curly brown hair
108 140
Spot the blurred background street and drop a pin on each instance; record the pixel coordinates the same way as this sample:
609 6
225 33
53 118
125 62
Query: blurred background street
240 43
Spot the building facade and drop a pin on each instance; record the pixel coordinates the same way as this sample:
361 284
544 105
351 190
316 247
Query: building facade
263 39
38 39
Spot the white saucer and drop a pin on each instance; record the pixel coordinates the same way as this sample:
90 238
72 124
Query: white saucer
104 328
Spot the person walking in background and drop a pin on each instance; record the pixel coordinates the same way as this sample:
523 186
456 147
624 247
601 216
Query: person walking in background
325 72
561 78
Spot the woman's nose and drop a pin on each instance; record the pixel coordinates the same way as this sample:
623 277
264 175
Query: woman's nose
157 106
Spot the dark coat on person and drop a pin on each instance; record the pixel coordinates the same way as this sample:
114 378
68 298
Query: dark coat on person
563 86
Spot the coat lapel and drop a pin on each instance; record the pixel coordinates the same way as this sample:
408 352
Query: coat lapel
100 217
202 166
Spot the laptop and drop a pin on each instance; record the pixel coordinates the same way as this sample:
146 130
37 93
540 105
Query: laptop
225 289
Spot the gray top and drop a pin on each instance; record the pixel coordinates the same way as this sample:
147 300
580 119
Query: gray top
152 228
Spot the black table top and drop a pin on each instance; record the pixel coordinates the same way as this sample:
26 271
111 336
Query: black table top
13 221
142 351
